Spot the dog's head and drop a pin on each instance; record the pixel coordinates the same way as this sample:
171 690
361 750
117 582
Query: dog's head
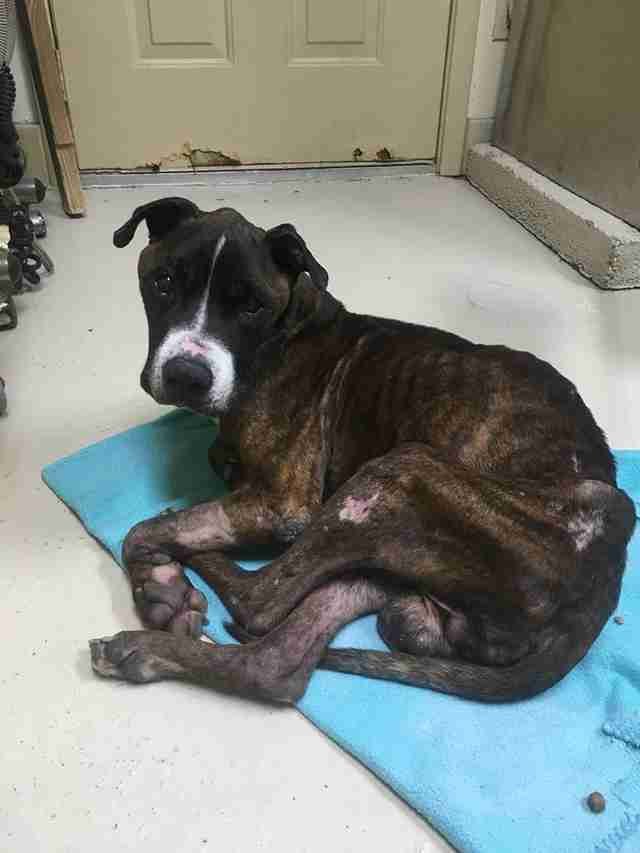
216 289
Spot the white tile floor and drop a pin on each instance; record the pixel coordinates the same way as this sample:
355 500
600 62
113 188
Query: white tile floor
96 765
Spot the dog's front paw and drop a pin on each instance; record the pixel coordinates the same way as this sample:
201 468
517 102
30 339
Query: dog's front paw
164 597
168 601
136 656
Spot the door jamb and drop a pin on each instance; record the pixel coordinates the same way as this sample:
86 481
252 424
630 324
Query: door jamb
38 26
461 44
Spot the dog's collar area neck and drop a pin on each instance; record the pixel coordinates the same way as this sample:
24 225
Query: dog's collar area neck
328 312
325 315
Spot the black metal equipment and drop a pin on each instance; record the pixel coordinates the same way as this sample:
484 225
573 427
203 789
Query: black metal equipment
21 258
16 195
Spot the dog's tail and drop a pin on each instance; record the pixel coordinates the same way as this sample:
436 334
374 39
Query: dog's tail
533 674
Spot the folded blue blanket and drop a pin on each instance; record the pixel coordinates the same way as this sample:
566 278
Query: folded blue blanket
493 779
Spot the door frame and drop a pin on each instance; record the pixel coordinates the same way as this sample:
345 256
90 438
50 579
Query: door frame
456 85
38 26
458 70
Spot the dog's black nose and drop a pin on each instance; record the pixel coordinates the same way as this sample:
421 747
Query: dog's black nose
186 378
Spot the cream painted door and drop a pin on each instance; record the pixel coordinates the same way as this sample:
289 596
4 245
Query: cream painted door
193 82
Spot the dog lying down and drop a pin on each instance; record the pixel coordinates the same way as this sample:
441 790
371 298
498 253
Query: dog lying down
464 493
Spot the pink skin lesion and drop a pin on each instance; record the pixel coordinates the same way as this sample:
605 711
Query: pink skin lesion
165 574
192 347
356 510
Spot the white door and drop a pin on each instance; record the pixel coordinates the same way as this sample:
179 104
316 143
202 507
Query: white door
204 82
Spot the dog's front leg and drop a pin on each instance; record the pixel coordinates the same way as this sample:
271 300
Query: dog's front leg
155 550
276 667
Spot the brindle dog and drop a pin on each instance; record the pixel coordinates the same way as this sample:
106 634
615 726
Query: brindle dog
464 493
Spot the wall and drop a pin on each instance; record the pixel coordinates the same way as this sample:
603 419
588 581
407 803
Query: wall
571 112
27 118
26 110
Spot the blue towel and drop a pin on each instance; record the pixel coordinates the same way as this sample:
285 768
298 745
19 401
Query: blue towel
492 779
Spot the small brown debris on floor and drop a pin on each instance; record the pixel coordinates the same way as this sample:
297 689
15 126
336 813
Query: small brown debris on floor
383 154
596 802
619 620
357 153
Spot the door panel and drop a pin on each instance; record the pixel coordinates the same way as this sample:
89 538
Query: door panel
162 33
335 21
347 32
169 24
152 81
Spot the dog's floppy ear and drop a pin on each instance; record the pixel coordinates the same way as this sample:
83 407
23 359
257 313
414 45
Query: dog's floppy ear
292 256
161 217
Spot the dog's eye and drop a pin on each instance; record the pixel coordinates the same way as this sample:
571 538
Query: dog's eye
251 305
163 285
245 300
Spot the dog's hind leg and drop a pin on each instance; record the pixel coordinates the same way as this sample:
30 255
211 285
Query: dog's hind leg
276 667
496 560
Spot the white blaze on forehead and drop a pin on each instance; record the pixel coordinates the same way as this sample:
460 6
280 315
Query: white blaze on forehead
201 315
190 339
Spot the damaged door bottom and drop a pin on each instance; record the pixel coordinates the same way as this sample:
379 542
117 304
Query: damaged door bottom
252 174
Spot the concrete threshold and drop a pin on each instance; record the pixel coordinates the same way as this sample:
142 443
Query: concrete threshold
599 245
243 175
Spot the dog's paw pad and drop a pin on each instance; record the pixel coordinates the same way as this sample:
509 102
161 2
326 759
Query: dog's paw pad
168 602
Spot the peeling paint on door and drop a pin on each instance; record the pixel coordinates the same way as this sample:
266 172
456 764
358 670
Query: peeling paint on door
188 157
211 157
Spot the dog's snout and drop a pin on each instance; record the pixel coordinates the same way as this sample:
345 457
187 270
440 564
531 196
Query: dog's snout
144 381
186 378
